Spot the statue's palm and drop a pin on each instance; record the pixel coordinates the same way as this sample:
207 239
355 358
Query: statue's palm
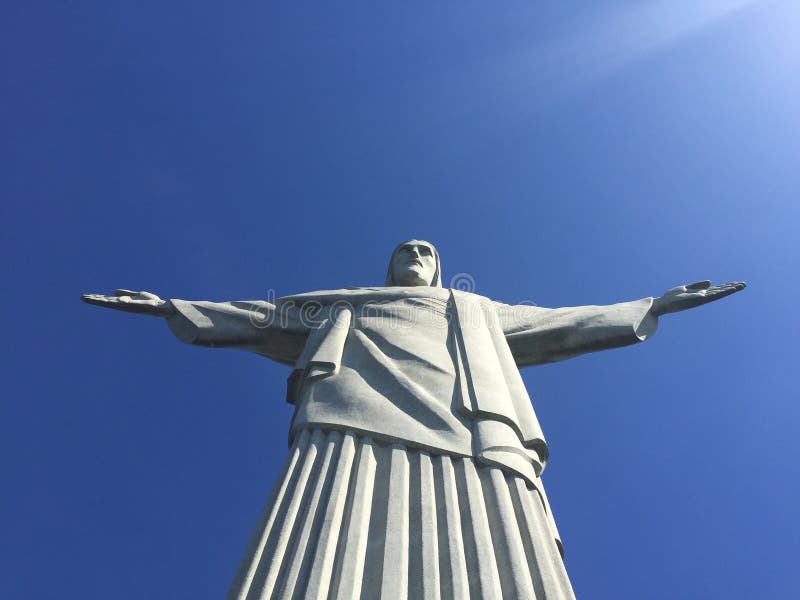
130 301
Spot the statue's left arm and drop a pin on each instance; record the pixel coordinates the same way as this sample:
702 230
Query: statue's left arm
539 335
256 325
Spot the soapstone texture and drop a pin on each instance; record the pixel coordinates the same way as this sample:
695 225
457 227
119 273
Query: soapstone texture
416 457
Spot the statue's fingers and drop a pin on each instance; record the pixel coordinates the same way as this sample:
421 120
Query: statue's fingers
698 285
98 299
734 286
720 292
122 292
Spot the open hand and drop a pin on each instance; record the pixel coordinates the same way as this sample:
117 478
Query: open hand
135 302
693 294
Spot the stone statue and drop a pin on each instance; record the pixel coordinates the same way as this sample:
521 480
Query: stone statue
415 454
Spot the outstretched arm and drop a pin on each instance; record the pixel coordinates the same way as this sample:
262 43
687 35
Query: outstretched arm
539 335
251 325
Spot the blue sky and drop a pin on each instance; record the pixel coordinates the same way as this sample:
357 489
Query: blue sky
565 155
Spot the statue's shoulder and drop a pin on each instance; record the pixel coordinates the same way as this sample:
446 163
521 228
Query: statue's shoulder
361 295
472 297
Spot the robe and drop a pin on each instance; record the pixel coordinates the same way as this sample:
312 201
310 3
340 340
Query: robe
423 380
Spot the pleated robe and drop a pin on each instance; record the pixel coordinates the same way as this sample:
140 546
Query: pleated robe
415 459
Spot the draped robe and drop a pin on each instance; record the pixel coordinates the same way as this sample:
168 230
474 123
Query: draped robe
421 370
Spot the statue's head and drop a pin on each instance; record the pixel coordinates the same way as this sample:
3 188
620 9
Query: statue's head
414 262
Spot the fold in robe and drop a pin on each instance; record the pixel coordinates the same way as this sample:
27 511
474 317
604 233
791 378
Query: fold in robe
426 367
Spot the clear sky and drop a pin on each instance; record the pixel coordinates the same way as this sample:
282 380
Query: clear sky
559 153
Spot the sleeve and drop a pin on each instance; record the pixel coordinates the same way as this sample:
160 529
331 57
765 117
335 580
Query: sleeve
257 326
539 335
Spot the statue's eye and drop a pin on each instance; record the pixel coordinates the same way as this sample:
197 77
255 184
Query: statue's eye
425 251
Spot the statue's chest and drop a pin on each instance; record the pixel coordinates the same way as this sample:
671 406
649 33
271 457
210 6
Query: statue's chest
411 335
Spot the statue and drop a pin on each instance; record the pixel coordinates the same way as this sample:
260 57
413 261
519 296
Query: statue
415 454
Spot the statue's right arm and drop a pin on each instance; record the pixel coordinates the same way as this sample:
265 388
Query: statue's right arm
257 325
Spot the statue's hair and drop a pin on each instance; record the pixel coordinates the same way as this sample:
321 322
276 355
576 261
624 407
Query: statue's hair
437 276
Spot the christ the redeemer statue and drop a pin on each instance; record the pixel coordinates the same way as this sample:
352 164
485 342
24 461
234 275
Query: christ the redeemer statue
415 455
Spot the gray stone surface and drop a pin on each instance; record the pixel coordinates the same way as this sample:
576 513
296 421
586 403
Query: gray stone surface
428 372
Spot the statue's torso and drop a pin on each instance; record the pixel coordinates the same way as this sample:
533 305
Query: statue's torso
397 377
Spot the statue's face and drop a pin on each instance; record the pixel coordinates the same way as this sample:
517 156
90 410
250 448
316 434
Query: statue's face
414 263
